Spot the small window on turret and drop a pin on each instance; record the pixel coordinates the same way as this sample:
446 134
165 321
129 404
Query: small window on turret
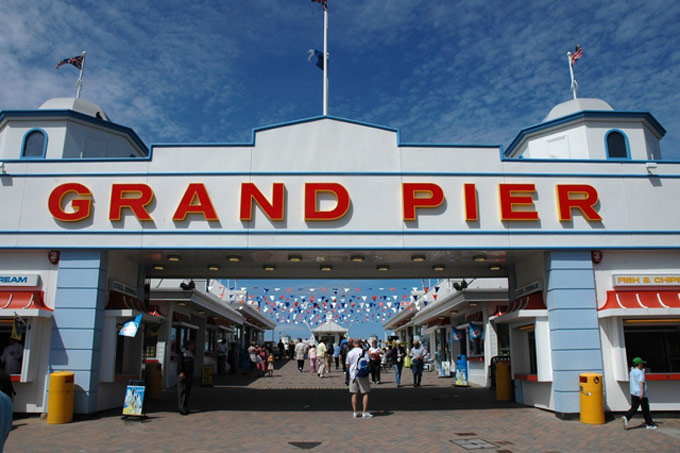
617 145
35 144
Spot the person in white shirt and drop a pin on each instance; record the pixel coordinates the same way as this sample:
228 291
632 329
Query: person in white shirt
356 383
375 354
12 357
638 394
221 350
321 357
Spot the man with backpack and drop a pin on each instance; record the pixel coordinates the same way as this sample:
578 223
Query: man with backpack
357 363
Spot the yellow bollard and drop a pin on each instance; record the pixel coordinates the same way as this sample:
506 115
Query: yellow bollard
60 399
592 402
503 382
154 381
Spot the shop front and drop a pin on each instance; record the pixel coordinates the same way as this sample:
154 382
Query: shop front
457 322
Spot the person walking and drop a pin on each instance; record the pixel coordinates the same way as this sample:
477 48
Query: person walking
312 358
375 354
638 394
221 350
321 352
300 354
185 372
336 356
417 355
358 383
396 355
343 355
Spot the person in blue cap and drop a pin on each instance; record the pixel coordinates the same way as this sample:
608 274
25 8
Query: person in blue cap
638 394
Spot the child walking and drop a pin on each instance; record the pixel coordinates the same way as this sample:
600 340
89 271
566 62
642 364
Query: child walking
270 365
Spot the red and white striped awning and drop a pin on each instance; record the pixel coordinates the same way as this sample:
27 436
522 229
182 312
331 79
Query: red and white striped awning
21 300
648 300
529 306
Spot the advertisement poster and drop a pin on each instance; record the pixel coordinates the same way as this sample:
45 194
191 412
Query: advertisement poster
134 400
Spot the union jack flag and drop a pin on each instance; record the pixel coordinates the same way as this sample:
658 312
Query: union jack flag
75 61
578 53
324 3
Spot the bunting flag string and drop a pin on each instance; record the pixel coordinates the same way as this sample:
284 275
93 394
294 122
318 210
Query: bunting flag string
315 305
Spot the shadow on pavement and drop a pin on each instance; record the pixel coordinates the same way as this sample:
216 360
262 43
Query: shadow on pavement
383 400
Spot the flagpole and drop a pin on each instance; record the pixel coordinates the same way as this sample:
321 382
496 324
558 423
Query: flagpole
574 84
325 62
79 82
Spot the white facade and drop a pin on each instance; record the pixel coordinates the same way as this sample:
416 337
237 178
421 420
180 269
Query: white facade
351 199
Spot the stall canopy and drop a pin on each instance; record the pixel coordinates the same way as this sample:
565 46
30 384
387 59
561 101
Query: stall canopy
23 303
635 303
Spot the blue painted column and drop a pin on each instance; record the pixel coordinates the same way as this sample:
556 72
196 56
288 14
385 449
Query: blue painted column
574 331
78 319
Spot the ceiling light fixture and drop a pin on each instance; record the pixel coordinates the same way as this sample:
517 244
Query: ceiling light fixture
494 267
326 267
159 267
418 258
357 258
233 258
174 258
383 267
438 267
269 267
213 267
479 258
294 258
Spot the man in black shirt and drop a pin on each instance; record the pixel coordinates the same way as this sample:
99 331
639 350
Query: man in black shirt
185 371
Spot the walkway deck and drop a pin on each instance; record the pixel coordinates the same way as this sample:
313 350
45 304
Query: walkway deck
293 411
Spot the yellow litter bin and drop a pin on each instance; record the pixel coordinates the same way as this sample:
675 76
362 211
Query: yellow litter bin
154 380
60 400
503 382
592 402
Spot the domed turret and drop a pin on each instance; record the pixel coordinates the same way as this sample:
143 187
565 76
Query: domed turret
77 105
590 129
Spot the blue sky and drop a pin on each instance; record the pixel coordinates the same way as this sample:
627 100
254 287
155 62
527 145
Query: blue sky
441 72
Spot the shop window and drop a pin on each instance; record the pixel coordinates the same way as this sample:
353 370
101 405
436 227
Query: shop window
210 340
617 145
658 345
476 346
503 337
151 332
179 336
531 339
34 145
11 350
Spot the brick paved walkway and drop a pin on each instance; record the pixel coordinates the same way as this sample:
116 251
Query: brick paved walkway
294 411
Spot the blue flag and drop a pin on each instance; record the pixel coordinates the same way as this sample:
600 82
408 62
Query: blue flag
130 327
457 334
476 331
319 57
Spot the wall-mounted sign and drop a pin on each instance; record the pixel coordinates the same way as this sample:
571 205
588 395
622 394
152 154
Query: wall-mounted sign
646 279
19 279
53 256
528 289
123 289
